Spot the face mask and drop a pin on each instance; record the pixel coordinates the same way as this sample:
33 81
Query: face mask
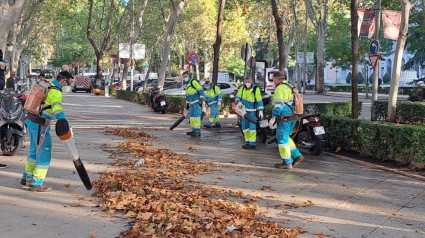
185 79
208 86
248 85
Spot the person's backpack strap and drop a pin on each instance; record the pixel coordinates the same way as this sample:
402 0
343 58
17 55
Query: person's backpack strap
292 90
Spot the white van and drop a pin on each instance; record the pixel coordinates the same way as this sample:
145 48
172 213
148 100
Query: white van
269 79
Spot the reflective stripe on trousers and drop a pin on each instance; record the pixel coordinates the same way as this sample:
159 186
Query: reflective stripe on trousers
195 117
249 130
214 115
287 148
37 165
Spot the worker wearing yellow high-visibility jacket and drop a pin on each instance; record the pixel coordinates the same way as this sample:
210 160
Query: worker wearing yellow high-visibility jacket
283 102
37 165
195 96
250 96
213 98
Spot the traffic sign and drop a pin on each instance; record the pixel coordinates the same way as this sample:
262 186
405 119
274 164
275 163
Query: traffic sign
246 52
193 59
374 47
374 59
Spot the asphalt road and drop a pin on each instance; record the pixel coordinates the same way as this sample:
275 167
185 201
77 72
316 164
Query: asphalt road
349 200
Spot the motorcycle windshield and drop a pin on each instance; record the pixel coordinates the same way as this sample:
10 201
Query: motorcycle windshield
9 104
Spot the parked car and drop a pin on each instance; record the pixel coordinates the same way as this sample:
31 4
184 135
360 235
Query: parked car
82 83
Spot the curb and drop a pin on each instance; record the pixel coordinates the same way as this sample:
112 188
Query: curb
376 166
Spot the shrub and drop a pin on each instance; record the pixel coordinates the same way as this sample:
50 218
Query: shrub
387 78
360 78
384 141
407 112
348 79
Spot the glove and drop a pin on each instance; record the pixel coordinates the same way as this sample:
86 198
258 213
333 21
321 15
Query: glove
272 124
240 105
260 114
219 103
200 102
187 106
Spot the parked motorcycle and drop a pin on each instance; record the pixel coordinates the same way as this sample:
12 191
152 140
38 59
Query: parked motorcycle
308 134
158 101
13 129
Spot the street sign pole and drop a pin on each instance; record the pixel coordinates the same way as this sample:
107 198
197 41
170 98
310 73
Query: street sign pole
376 70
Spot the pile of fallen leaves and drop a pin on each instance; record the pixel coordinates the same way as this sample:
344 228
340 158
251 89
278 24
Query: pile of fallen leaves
166 202
131 133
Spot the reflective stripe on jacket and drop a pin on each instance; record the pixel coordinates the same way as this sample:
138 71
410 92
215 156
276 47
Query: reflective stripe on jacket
283 100
54 99
213 96
247 97
194 92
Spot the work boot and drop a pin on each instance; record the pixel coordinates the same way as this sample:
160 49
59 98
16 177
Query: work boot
2 166
248 147
283 166
297 160
216 126
25 182
195 134
189 133
207 126
40 188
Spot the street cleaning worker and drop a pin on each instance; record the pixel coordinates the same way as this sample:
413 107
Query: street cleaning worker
283 100
195 96
37 164
214 98
250 96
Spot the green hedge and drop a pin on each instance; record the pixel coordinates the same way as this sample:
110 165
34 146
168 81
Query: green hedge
362 89
407 112
175 103
335 108
384 141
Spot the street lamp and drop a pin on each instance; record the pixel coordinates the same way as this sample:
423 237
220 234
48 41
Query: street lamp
10 49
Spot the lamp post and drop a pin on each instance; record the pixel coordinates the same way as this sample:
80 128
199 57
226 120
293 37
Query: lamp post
10 49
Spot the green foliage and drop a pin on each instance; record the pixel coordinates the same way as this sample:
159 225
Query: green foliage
387 78
348 79
360 78
176 104
407 112
334 109
384 141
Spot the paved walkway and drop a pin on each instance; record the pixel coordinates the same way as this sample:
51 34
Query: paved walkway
348 200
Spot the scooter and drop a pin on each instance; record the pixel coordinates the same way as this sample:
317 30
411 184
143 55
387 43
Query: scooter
12 130
308 134
158 101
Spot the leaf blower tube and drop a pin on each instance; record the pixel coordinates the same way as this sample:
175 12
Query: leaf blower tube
185 115
66 136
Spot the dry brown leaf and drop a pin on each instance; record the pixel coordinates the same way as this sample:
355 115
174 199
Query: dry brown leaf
338 149
92 235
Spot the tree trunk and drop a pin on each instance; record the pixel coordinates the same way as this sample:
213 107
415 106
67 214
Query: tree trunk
99 69
167 43
217 43
355 59
10 15
320 80
279 35
207 66
406 5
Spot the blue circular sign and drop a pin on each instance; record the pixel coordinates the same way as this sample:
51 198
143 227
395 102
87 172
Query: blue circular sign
374 47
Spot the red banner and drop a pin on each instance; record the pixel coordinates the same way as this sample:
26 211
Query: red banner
392 22
366 23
